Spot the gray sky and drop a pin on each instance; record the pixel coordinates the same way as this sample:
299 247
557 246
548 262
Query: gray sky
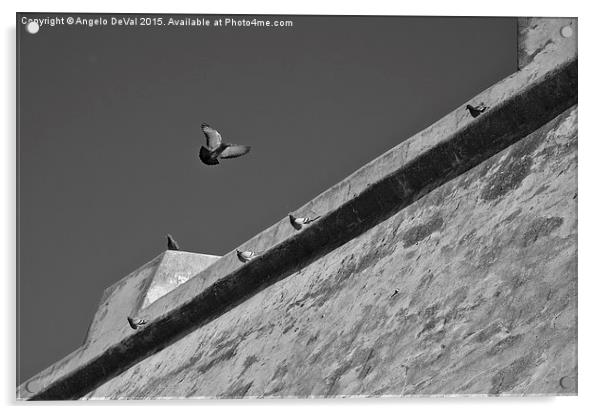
109 123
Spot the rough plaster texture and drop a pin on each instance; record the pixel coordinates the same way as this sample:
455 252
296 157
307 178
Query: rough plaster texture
121 300
486 272
539 38
139 289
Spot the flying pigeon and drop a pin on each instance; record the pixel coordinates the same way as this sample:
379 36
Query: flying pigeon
245 256
217 149
135 323
476 110
171 243
299 222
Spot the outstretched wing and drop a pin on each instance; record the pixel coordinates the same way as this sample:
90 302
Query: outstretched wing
214 139
234 151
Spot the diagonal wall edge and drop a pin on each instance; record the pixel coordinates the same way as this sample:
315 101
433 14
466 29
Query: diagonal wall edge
536 97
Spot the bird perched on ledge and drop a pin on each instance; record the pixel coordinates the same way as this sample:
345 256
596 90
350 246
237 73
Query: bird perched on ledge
245 256
172 244
476 110
135 323
299 222
217 149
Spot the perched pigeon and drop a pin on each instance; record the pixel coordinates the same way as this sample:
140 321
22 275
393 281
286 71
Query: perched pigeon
135 323
476 110
171 243
217 149
299 222
245 256
395 292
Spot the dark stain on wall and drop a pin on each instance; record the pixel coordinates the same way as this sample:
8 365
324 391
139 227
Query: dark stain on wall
540 227
422 231
467 237
237 390
508 377
333 379
426 280
280 373
248 362
511 217
504 344
312 339
486 334
224 355
508 177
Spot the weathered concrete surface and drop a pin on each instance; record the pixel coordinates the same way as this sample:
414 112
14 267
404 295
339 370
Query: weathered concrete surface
139 289
176 268
518 104
121 300
486 272
540 38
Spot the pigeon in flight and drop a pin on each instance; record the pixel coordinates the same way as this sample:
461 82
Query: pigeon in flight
299 222
217 149
135 323
172 244
245 256
476 110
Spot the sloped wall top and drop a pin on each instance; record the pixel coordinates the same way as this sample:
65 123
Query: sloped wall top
175 268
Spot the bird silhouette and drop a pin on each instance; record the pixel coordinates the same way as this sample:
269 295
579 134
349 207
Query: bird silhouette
246 255
172 244
299 222
135 323
476 110
216 149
